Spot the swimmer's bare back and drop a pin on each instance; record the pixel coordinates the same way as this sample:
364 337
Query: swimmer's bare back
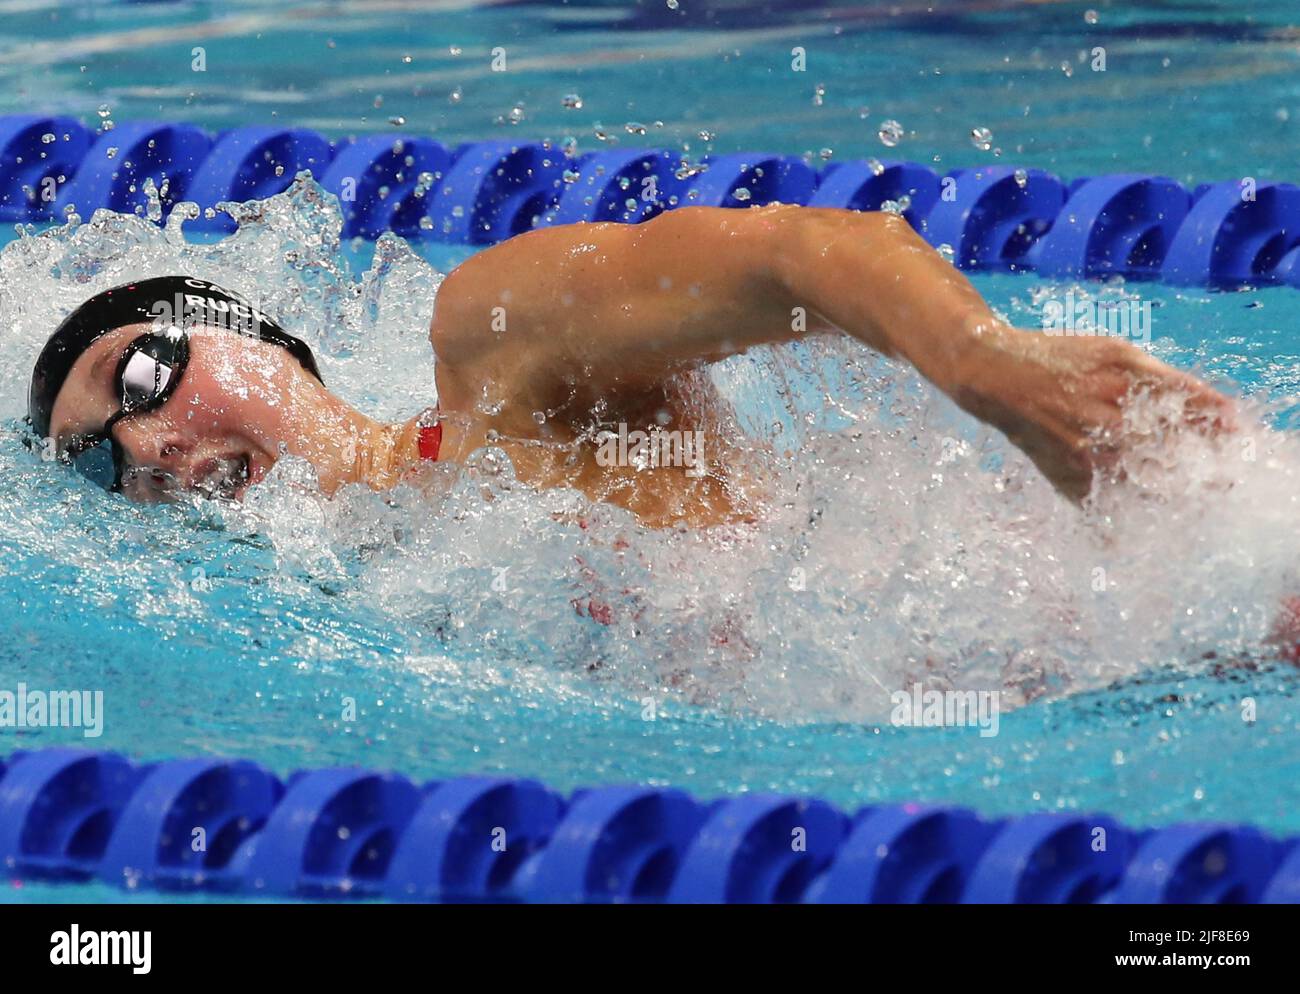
543 335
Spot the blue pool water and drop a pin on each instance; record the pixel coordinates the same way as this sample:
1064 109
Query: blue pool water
930 550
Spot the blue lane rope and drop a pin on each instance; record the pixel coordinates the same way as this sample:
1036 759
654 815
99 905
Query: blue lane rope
232 827
1000 218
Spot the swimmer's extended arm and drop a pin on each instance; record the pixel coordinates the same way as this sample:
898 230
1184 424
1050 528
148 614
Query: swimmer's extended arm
598 307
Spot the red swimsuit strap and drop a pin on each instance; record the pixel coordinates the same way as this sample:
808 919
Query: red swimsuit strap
430 441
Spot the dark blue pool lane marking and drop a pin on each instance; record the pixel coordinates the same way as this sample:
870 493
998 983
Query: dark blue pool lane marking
992 218
231 826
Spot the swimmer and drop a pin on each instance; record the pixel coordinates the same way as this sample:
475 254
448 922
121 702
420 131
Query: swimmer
544 338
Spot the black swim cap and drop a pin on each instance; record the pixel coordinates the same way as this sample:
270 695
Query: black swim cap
169 301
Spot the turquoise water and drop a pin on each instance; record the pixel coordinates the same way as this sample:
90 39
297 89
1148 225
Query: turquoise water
932 552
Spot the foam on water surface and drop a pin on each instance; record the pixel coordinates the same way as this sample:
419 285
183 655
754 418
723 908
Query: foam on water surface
899 543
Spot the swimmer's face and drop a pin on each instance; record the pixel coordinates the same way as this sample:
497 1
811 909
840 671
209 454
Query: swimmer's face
217 434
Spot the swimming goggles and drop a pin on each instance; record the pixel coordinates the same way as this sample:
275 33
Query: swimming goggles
147 375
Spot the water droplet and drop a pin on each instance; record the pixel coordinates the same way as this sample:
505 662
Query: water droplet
47 139
516 115
634 128
1090 17
397 121
407 59
104 111
890 133
1067 68
673 4
707 136
571 101
819 94
455 95
876 166
153 200
825 154
455 50
945 250
571 176
981 138
741 193
1021 177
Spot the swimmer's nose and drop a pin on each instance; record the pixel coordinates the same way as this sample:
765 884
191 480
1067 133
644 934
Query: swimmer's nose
146 446
154 463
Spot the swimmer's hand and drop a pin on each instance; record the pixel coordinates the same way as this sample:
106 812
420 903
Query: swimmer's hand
1061 399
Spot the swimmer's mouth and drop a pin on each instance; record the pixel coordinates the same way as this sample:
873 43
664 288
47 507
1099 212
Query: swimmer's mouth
224 478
